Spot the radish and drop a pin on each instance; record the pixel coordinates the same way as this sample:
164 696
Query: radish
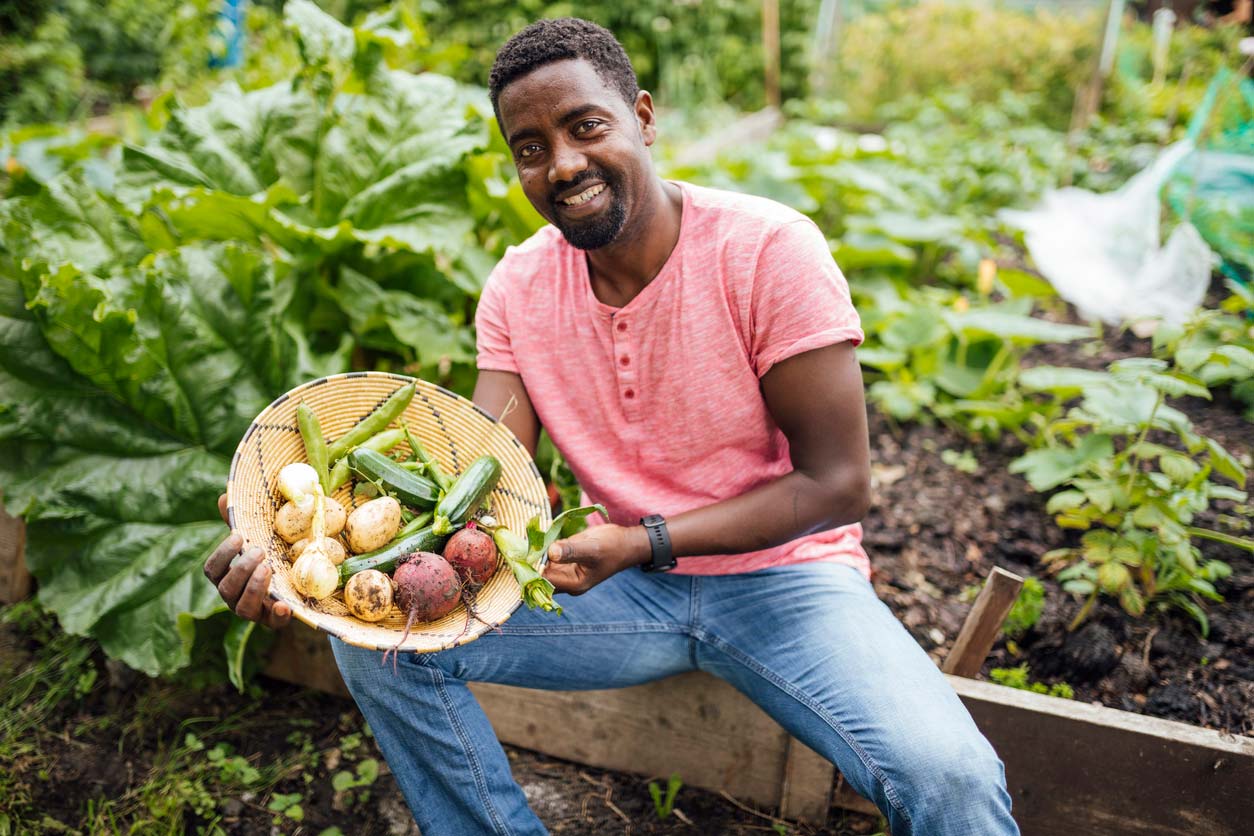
427 589
472 554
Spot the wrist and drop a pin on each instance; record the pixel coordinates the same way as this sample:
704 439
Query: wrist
639 550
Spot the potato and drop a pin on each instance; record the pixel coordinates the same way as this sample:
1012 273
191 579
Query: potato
292 523
373 525
331 547
368 595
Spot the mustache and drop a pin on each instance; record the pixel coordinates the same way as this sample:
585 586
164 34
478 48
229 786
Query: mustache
583 177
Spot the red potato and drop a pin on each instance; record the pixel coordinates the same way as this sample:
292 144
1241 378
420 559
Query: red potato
472 554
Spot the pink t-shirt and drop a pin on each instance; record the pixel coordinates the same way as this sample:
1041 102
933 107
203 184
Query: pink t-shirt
656 405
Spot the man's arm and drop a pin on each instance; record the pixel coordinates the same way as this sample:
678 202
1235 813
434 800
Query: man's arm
493 391
816 399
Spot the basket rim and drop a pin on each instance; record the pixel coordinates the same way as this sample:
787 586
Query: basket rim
298 611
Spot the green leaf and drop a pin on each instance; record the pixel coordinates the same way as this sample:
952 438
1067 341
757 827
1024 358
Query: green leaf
1064 501
1061 379
1007 326
1224 462
235 643
1048 468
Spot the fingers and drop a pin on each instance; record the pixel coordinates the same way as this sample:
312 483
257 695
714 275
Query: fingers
222 509
567 578
251 604
233 586
278 614
220 561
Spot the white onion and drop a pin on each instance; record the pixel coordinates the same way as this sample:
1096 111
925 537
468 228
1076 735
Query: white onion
314 575
299 483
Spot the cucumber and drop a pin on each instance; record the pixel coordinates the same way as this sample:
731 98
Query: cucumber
386 558
467 494
409 487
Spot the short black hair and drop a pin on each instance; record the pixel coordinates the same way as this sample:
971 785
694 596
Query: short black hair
560 39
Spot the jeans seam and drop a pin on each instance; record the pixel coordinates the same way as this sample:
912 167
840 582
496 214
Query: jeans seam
480 784
593 629
694 615
779 682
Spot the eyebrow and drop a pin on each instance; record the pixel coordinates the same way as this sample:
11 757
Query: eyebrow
565 119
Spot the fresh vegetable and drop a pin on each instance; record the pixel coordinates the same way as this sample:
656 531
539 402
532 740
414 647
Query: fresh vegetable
314 574
373 423
427 588
330 546
472 554
429 463
380 443
368 595
409 488
296 484
294 523
526 555
373 525
467 494
386 558
315 444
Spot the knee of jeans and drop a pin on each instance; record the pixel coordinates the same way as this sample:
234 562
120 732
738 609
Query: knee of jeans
969 773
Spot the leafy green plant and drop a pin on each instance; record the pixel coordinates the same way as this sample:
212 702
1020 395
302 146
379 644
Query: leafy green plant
1019 678
664 804
1134 498
1026 610
256 242
1216 345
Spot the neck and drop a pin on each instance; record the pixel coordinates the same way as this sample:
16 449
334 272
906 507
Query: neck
621 270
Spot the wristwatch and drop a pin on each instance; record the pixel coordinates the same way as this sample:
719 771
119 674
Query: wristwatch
663 559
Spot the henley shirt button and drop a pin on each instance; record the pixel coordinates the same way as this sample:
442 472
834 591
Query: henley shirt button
624 360
629 394
622 326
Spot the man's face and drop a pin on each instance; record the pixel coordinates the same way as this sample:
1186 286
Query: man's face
581 151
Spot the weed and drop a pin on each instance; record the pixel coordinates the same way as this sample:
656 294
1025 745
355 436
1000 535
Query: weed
1018 678
1026 610
665 805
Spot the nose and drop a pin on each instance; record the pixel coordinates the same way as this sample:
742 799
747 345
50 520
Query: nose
567 162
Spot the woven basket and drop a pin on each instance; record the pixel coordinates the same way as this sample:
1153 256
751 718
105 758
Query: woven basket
452 429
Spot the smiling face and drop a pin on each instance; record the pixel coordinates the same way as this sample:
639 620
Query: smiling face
581 151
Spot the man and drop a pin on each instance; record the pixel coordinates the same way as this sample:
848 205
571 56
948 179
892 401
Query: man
691 352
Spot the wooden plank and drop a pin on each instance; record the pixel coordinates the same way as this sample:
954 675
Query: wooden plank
983 623
805 792
1076 769
302 655
15 580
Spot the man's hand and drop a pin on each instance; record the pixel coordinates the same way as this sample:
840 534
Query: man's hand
579 563
244 579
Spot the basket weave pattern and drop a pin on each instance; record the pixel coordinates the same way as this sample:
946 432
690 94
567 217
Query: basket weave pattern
452 429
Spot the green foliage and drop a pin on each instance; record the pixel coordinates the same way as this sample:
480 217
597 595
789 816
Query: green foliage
1018 678
977 49
1026 610
255 242
1135 498
1216 346
664 804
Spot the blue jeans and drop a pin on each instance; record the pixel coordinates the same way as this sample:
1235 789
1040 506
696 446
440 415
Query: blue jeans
810 644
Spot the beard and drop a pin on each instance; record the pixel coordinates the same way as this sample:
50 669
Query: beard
596 232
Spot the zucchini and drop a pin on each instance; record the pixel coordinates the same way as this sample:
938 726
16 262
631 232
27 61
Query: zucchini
467 494
408 487
386 558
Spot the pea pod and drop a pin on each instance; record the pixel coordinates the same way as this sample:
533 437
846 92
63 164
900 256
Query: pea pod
373 423
315 444
429 462
380 443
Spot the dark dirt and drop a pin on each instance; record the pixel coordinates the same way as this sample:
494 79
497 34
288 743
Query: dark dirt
935 530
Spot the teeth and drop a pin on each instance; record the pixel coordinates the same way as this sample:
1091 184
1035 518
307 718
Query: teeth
585 195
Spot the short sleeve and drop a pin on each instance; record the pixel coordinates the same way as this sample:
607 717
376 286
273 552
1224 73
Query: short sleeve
800 299
494 350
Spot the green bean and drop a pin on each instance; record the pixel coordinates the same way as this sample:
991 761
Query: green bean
380 443
432 466
373 423
315 444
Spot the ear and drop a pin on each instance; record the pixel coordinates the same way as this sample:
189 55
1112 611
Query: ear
645 118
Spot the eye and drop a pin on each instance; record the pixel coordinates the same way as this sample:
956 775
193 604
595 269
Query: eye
586 126
526 151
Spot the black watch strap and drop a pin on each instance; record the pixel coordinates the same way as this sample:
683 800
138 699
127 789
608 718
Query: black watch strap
663 559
